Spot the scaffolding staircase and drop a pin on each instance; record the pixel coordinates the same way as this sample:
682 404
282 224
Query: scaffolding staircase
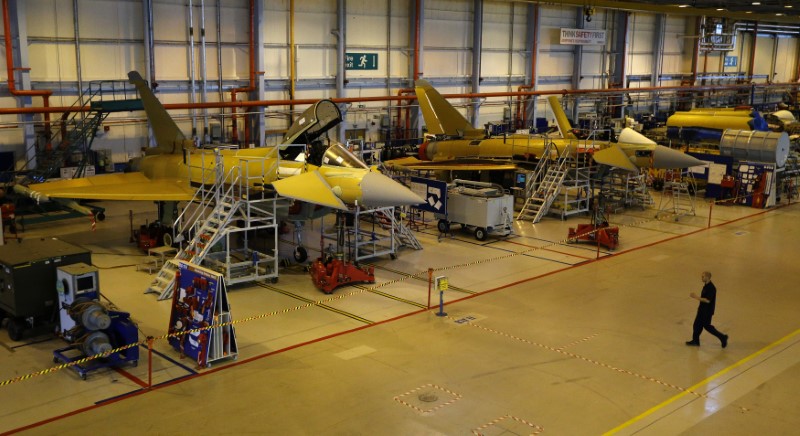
224 212
544 193
77 129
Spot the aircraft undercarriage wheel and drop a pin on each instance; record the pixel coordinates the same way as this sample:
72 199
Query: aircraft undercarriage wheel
300 254
100 216
480 234
167 239
443 226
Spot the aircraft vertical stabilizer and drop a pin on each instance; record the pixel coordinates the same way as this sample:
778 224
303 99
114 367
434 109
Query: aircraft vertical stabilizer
169 138
561 118
441 117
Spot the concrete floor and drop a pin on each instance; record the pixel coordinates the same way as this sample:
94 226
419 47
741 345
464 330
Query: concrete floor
540 337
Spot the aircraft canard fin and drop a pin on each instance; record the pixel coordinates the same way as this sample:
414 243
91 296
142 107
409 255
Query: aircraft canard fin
614 156
441 118
310 187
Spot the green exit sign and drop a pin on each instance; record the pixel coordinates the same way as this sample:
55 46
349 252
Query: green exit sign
361 61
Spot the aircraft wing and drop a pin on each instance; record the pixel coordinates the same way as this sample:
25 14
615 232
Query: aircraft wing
122 186
310 187
412 163
614 156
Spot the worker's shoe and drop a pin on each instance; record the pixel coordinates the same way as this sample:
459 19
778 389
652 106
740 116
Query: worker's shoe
693 343
724 341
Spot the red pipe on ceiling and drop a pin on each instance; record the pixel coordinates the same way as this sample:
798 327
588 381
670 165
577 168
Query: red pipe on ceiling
45 94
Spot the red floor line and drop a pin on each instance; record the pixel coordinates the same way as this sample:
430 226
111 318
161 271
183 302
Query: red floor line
333 335
130 376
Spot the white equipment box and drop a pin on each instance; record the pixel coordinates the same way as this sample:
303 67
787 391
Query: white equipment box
482 206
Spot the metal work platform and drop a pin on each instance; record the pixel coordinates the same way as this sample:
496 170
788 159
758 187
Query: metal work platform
223 219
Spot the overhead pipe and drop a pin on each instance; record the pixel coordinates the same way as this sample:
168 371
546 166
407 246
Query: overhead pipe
252 87
45 93
308 101
412 96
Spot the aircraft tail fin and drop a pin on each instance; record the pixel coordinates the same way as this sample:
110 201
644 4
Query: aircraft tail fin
169 138
561 118
441 117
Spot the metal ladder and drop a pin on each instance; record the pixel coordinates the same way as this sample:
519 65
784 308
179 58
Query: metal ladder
676 198
208 234
403 235
538 203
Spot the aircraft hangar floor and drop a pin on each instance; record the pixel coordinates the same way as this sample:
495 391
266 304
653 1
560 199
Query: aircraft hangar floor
540 337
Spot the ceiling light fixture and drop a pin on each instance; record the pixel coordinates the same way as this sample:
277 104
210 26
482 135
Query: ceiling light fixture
756 3
683 6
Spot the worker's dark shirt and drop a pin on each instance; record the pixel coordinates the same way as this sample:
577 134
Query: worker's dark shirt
709 293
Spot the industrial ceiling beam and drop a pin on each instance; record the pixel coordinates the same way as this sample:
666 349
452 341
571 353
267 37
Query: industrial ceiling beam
672 9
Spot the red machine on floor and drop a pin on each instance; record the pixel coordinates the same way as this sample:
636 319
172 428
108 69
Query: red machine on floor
602 234
334 271
330 274
596 232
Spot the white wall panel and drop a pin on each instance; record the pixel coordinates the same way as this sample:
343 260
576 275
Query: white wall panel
787 64
49 18
764 48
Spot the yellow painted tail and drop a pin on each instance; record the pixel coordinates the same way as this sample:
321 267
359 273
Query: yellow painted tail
169 138
561 118
441 117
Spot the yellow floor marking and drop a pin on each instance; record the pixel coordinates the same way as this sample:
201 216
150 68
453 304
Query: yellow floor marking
695 387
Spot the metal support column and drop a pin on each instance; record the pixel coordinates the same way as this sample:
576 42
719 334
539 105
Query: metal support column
258 26
341 45
577 64
532 45
658 56
477 42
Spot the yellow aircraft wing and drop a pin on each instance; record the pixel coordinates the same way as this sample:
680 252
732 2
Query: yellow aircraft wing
412 163
123 186
310 187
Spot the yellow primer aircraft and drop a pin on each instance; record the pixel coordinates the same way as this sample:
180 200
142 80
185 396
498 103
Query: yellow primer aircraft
459 146
171 171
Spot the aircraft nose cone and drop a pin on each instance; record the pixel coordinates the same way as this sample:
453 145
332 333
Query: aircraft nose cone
668 158
378 190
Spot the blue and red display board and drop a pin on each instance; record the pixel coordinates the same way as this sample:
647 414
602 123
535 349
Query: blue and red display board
199 303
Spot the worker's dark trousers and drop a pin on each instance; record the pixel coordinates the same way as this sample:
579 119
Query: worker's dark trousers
704 322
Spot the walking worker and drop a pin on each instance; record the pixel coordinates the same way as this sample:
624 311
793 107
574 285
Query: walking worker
705 311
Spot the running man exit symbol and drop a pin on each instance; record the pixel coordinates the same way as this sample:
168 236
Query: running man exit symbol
361 61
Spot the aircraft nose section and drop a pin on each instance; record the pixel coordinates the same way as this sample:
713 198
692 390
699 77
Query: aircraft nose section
378 190
668 158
